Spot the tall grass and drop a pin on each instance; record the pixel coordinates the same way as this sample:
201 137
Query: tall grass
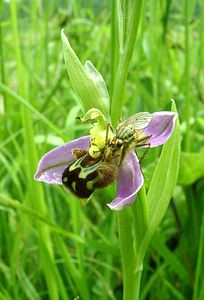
50 246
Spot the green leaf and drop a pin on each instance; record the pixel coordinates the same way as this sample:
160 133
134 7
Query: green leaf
120 24
191 167
159 245
86 81
164 180
161 188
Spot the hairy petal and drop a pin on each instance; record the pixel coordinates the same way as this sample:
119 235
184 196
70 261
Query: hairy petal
54 162
129 182
161 127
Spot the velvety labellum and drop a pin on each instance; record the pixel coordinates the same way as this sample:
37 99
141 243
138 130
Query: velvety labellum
87 173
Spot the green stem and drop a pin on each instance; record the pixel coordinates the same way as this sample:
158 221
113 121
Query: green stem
131 276
139 215
187 79
114 44
124 63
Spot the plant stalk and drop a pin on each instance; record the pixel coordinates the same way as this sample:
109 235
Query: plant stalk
124 62
131 276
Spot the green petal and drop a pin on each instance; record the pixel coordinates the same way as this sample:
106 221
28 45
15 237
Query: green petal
86 81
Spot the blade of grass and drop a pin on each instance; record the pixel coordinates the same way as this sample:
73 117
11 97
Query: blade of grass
14 204
75 274
48 264
28 106
149 285
174 291
27 287
170 258
36 192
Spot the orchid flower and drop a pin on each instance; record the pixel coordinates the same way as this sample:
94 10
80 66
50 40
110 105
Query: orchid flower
106 155
129 178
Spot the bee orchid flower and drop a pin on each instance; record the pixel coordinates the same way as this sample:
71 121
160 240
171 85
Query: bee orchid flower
96 174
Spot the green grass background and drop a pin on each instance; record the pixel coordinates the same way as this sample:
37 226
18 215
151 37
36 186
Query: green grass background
50 246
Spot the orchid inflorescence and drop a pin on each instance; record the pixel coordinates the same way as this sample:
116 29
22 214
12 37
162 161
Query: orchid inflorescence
108 154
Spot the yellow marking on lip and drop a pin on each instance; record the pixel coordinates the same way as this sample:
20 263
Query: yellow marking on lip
76 164
90 183
74 186
84 172
65 179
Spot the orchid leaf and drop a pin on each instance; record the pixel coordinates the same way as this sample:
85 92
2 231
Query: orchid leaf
164 179
87 82
161 187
